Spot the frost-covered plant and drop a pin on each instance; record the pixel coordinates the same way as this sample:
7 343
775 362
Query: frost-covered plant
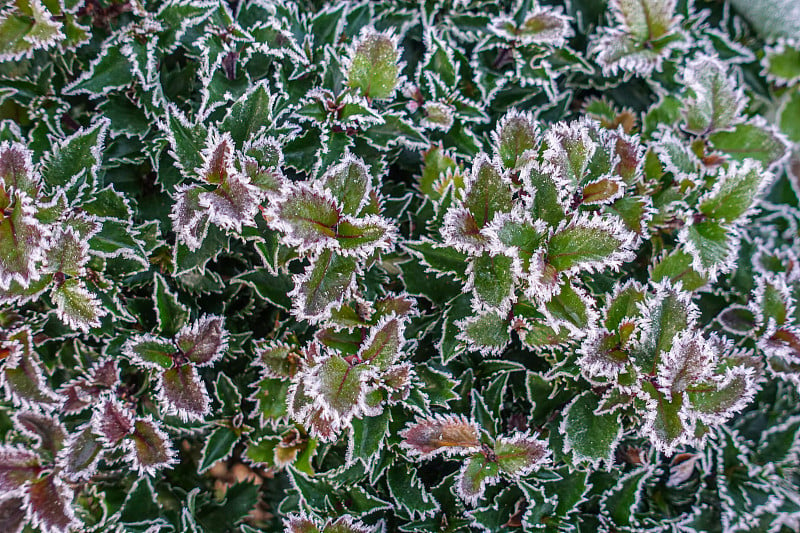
352 267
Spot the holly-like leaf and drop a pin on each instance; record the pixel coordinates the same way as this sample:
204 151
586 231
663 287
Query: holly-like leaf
664 424
478 472
50 505
12 514
486 333
149 351
589 244
520 454
488 191
717 399
149 447
717 99
48 432
363 236
29 27
22 239
16 170
338 386
76 306
307 218
77 157
752 140
712 245
382 347
735 192
18 466
22 376
204 342
781 63
78 459
440 434
112 421
691 358
590 437
373 64
189 218
492 279
516 134
349 182
665 314
327 281
543 25
182 393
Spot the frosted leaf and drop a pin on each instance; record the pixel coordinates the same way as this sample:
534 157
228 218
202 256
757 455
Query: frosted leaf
382 346
691 358
781 62
22 376
326 283
338 387
12 514
615 51
204 342
603 190
16 170
79 458
189 218
589 243
232 204
492 278
440 434
601 355
26 31
149 447
262 160
520 454
543 25
718 99
182 393
681 468
373 64
217 159
717 399
50 505
570 149
666 425
516 135
76 306
488 190
476 474
591 437
22 239
438 116
645 19
112 421
736 191
486 333
68 248
301 523
712 245
47 431
663 315
307 217
18 466
349 182
277 360
361 237
461 231
149 351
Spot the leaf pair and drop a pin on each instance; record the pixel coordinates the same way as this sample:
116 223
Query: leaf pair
514 457
176 361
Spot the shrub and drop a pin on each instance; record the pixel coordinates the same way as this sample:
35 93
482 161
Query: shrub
399 266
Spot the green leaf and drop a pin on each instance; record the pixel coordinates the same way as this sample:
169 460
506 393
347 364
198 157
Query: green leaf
141 505
782 63
364 235
712 245
443 259
249 114
571 306
677 266
338 385
187 141
349 182
516 134
646 19
751 140
109 71
520 455
76 306
170 313
77 156
367 435
788 116
325 284
486 333
666 314
239 500
492 279
476 474
715 401
718 99
219 445
488 191
373 64
664 424
307 217
590 437
409 492
621 501
381 348
735 192
588 243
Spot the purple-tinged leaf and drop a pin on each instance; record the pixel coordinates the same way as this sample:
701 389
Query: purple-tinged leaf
217 159
50 505
76 306
602 355
189 218
681 468
476 474
691 358
397 381
182 393
149 447
349 183
300 524
22 376
461 231
12 514
543 25
382 347
441 434
78 459
22 239
45 428
233 204
17 467
603 190
307 217
204 342
520 454
105 373
150 352
112 421
16 170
